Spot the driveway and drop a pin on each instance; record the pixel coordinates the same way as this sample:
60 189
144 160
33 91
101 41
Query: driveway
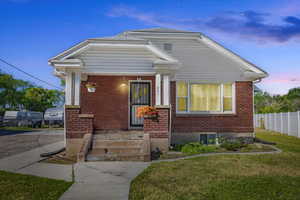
15 142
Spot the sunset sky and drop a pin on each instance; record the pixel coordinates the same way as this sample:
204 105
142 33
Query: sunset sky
266 33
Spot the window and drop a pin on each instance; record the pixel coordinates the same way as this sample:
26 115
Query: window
205 98
182 96
227 97
208 138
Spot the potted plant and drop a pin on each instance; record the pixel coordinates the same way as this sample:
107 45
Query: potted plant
147 112
91 86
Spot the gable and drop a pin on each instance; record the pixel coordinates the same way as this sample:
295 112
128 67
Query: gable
117 59
201 61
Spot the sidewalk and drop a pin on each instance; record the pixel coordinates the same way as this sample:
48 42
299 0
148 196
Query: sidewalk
103 180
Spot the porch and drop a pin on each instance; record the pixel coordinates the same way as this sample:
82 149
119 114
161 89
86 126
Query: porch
104 126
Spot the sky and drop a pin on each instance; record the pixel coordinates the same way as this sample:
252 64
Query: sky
267 33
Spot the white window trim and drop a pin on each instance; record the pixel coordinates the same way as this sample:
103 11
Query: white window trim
207 112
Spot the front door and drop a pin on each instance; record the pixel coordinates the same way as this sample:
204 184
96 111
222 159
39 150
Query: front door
139 96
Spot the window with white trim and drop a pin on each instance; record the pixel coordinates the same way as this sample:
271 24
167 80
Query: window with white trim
193 97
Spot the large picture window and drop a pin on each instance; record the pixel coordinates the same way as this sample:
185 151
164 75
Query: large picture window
204 98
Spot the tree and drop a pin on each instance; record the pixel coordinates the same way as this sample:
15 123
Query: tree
39 99
266 103
12 91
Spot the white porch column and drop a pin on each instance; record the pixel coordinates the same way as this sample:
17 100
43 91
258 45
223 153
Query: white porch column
158 89
68 89
72 88
166 87
77 83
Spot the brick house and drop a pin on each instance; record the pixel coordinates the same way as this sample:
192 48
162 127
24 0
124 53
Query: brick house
199 88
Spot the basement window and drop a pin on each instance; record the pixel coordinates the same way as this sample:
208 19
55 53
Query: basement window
208 139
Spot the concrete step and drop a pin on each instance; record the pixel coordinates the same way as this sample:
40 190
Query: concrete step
119 136
97 143
93 156
117 150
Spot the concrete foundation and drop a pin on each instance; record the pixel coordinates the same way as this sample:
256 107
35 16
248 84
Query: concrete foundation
183 138
161 143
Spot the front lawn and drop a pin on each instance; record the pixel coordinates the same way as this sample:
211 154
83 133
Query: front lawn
226 177
24 187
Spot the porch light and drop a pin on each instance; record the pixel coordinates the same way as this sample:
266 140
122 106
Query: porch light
91 87
123 85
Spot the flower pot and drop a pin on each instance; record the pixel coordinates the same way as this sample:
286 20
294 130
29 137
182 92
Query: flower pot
91 89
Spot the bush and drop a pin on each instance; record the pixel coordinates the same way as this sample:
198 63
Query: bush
233 145
197 147
176 147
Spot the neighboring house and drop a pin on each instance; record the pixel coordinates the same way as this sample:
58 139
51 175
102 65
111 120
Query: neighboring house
198 87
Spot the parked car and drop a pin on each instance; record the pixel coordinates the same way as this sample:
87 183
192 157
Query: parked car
15 118
23 118
35 119
54 116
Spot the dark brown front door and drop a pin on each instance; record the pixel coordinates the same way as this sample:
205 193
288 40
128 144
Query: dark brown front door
139 96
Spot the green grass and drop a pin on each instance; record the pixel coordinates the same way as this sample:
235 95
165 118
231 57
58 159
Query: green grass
226 177
24 187
13 128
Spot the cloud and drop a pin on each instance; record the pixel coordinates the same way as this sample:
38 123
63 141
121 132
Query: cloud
248 25
148 18
253 24
280 83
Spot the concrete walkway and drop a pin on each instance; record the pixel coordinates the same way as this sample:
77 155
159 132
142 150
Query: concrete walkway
28 163
103 180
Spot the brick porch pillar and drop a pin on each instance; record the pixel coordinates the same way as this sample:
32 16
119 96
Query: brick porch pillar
159 130
76 126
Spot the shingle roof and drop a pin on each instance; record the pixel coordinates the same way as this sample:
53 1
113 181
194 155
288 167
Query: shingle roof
161 30
119 37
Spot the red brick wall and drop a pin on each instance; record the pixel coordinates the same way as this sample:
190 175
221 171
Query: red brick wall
76 126
159 128
240 122
109 103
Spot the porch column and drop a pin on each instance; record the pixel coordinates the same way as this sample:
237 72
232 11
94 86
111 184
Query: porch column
72 89
77 83
166 92
158 89
68 89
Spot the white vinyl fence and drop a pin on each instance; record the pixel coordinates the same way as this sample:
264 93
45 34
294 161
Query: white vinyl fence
286 123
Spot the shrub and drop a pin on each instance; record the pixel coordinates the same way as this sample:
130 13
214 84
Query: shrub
176 147
197 147
233 145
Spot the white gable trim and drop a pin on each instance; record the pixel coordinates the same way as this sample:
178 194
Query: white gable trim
64 53
77 50
231 55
